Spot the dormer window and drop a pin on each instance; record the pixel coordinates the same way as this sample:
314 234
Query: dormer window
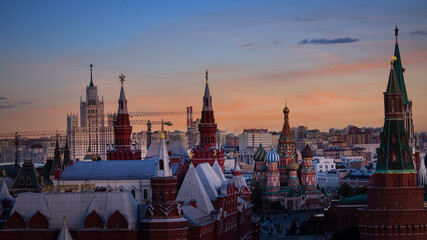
161 165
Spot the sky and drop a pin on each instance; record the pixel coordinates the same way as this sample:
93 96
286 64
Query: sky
329 60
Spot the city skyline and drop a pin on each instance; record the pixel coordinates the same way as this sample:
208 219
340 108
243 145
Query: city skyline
330 64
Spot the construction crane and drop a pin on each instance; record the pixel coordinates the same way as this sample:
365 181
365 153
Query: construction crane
39 133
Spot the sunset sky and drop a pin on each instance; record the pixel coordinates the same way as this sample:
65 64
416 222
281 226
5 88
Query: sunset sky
329 59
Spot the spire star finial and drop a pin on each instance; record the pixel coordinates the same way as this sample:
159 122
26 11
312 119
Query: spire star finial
396 31
206 76
122 78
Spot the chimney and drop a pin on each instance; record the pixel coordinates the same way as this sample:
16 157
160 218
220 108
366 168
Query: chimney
57 173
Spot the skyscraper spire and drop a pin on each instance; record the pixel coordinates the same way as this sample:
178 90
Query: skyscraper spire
91 80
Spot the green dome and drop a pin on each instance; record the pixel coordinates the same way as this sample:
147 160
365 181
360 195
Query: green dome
293 166
260 153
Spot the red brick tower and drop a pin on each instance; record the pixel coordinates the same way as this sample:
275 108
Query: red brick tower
308 173
207 151
123 131
395 203
286 148
164 217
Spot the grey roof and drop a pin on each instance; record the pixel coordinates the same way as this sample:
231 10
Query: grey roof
195 216
176 148
218 171
193 189
210 180
64 234
75 206
110 170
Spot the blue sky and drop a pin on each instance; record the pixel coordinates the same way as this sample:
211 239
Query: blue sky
254 50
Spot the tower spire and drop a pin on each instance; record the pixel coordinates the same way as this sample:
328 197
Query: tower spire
399 70
123 105
286 130
91 79
163 130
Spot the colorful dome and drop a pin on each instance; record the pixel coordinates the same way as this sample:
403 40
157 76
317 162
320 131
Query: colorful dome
272 156
293 166
260 154
307 153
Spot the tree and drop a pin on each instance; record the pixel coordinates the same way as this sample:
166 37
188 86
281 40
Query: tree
345 191
256 198
292 231
360 190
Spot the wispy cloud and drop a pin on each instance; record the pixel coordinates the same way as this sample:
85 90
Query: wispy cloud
11 104
320 41
419 32
246 44
298 19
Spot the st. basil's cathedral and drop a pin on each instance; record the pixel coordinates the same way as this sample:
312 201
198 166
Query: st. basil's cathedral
282 178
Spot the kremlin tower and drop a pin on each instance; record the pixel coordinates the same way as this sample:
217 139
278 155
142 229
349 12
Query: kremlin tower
123 131
406 103
207 150
395 207
164 217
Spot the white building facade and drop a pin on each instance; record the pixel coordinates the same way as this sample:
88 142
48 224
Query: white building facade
94 131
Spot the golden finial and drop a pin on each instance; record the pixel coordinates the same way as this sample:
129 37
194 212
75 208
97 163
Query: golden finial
3 173
286 102
215 153
122 78
163 129
260 141
63 217
206 76
236 155
394 58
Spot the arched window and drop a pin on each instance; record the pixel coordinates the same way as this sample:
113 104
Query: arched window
161 164
93 220
28 181
22 181
393 156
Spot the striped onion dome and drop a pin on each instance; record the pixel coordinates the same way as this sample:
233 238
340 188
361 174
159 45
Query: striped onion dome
260 154
293 166
272 156
307 153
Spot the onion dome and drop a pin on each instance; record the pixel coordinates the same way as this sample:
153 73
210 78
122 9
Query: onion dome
260 153
286 109
307 153
293 166
272 156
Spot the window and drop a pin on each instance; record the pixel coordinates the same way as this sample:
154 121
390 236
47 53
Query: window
407 156
161 164
394 156
392 105
28 181
145 193
22 181
133 193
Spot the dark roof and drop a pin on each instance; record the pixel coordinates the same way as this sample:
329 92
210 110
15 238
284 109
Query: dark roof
362 198
307 153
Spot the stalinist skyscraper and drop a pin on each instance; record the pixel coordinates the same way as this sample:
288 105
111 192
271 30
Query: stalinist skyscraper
94 135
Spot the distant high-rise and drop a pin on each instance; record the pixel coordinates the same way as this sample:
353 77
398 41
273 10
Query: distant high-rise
93 133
